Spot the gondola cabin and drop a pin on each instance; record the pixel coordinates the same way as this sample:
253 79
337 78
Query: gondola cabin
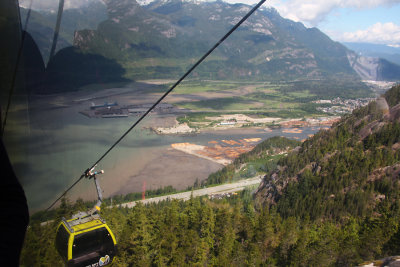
85 241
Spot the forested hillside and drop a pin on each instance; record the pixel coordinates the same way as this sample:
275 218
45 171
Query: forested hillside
333 201
349 169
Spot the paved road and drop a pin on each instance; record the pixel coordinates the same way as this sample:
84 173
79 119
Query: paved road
225 188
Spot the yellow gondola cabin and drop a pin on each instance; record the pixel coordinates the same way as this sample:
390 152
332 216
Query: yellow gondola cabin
85 241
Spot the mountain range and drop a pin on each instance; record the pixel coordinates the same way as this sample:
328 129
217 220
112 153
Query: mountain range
162 39
390 53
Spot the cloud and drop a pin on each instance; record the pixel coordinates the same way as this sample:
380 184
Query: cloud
312 12
379 33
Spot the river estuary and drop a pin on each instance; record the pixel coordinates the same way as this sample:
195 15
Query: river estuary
50 145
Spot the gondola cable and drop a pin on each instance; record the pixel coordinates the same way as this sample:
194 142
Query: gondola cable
57 29
87 171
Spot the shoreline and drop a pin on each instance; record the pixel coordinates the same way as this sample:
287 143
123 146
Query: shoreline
287 126
65 140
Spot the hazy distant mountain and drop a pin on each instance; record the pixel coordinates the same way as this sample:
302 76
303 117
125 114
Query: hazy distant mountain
389 53
373 68
164 38
374 61
41 28
42 23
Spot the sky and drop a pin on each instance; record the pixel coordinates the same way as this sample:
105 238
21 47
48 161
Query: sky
368 21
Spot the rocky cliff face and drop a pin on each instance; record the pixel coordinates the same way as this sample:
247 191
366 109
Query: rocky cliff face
366 67
372 68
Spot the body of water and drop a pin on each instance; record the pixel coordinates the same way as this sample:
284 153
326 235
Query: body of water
50 147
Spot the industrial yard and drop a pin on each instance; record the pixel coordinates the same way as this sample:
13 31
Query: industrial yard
222 152
113 110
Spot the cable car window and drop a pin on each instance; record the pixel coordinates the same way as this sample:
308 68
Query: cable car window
107 241
62 241
93 241
85 243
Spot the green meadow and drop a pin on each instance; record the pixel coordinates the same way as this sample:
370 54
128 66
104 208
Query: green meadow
260 99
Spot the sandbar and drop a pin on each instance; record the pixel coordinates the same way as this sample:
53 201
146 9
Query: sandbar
172 167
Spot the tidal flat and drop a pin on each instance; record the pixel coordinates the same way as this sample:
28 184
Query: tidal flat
51 144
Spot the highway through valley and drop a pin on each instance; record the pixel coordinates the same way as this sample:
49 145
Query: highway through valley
219 189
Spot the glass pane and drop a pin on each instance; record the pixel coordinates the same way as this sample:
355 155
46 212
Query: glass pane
62 242
86 243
